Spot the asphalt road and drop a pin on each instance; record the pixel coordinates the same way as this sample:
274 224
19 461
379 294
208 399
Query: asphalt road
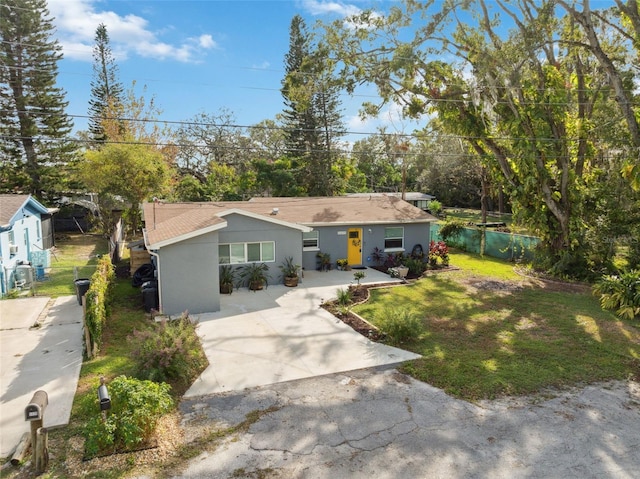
378 423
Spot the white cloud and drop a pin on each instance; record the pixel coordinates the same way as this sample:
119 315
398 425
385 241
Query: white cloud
356 123
206 41
390 118
261 66
76 22
321 7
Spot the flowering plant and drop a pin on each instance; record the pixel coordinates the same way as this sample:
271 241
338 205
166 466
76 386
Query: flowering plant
437 250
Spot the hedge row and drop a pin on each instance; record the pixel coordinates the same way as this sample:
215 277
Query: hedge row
97 299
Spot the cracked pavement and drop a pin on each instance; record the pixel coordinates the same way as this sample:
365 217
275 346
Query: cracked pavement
379 423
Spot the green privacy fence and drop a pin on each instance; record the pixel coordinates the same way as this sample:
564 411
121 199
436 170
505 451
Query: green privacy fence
509 246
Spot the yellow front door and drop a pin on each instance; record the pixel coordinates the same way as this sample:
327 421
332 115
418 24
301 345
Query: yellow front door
354 246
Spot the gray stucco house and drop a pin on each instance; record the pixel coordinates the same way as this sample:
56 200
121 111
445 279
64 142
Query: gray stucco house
188 241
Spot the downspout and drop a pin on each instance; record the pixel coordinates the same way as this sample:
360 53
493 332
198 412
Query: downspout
159 282
144 234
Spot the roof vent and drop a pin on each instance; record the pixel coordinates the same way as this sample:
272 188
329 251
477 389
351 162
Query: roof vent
275 211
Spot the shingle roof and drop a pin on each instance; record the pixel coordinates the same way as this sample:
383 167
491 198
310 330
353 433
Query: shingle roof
166 221
9 204
342 210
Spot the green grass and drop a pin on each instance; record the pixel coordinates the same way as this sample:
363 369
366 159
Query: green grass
487 266
74 255
483 343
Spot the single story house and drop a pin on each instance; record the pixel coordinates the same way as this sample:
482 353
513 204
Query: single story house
26 236
188 241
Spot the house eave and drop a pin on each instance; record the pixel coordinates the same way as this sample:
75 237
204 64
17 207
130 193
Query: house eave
365 223
177 239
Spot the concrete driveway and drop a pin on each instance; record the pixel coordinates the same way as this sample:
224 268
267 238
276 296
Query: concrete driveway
47 357
281 334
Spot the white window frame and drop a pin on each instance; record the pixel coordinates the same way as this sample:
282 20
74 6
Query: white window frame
393 249
245 254
315 234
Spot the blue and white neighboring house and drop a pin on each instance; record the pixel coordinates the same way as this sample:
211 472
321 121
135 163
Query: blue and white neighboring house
189 241
26 238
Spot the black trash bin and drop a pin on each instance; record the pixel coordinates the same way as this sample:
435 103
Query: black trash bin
150 299
82 286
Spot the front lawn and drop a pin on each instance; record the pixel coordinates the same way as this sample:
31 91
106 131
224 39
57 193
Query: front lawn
488 332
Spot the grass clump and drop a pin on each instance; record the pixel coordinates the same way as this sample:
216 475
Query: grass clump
400 325
169 351
343 296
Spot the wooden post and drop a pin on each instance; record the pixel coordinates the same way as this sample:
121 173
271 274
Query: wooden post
42 450
21 449
35 425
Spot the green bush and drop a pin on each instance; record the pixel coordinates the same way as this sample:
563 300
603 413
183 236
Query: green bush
97 299
451 231
399 324
416 266
170 351
435 207
620 294
136 408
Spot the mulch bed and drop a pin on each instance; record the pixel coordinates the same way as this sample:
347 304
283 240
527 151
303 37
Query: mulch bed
359 294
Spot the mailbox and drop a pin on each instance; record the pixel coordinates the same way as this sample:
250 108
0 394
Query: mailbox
35 409
103 397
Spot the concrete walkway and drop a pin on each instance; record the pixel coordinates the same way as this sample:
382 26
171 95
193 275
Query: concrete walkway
45 357
280 334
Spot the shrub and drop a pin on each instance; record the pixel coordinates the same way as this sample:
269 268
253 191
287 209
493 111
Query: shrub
136 408
400 325
438 250
344 296
435 207
452 231
378 256
416 266
358 275
620 294
393 260
170 351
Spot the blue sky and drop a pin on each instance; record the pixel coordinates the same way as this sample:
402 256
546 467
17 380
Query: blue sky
197 56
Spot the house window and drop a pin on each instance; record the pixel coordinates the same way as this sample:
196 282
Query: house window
240 253
38 230
394 239
12 239
310 240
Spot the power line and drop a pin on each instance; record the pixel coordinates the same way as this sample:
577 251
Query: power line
334 134
284 151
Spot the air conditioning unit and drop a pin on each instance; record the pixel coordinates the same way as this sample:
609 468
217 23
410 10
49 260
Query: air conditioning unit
13 249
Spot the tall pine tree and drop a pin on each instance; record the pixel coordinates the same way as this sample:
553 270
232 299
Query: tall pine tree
311 116
106 89
33 124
